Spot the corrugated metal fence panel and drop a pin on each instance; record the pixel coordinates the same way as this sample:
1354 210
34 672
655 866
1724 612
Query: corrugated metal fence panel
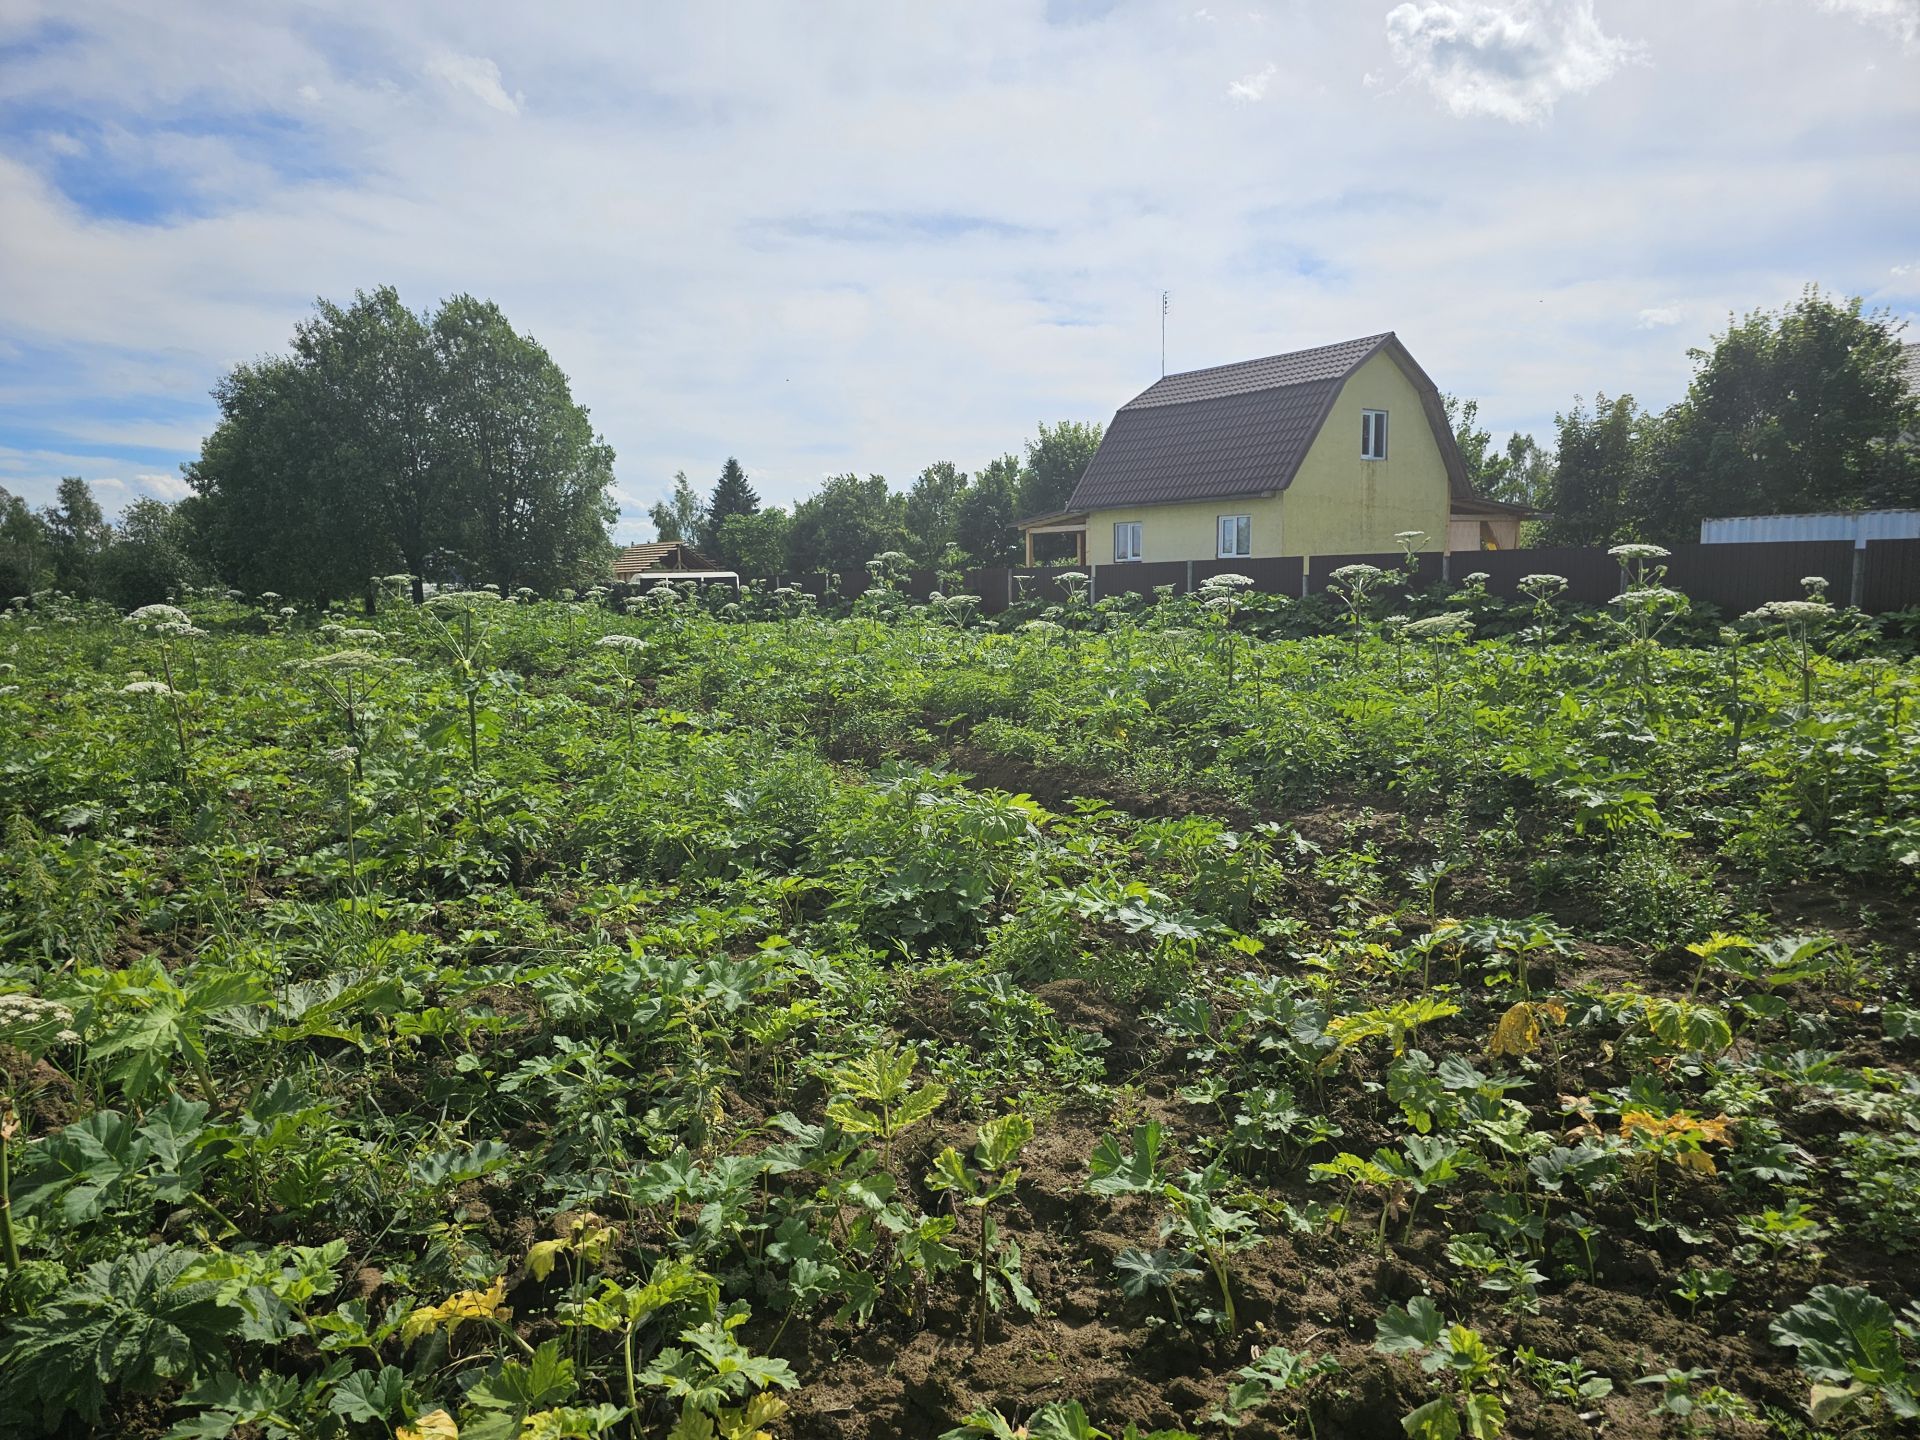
1888 525
1856 527
1737 578
1275 575
1893 575
1592 575
1320 568
1139 579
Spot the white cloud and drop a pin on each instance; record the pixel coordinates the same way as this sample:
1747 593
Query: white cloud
827 246
309 93
1661 317
63 144
167 487
477 76
1900 18
1253 88
1511 61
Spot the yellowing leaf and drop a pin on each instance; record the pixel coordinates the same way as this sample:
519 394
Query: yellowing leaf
1518 1032
541 1257
1677 1137
434 1425
453 1312
764 1409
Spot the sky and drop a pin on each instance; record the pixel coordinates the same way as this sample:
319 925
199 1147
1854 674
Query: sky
866 237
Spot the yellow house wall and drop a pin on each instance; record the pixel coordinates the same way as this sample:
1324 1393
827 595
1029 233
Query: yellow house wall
1338 503
1189 531
1341 504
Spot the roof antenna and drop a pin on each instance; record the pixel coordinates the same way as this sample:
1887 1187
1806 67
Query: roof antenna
1165 297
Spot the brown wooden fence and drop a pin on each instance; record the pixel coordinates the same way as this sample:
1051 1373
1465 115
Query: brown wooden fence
1734 578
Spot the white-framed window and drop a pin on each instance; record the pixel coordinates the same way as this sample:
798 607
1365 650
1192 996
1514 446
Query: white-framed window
1126 540
1236 537
1373 434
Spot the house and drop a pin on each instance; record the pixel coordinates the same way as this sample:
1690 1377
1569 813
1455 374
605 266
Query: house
1329 451
671 557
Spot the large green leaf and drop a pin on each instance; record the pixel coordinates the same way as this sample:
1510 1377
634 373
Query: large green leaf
1416 1327
1843 1333
1116 1172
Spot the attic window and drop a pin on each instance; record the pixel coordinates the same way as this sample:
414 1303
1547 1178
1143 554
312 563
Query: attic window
1373 434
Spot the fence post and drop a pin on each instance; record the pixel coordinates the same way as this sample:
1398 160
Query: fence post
1857 580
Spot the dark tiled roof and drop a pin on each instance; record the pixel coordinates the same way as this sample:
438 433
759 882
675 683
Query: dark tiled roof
1237 429
1299 367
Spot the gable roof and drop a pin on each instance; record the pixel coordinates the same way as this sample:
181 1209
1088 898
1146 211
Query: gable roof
1240 429
659 555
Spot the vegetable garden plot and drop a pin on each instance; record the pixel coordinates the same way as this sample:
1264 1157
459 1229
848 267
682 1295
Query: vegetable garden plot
452 1023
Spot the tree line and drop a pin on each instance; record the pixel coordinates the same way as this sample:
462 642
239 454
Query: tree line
447 446
1811 407
444 445
70 545
946 517
1806 408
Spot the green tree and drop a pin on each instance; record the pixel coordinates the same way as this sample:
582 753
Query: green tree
26 555
732 495
1486 466
756 544
77 533
682 515
1521 474
272 509
1055 462
445 443
845 523
148 559
1799 409
1528 477
1602 453
984 516
532 476
375 385
933 511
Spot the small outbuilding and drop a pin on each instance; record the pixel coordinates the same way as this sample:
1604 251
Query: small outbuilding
669 559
